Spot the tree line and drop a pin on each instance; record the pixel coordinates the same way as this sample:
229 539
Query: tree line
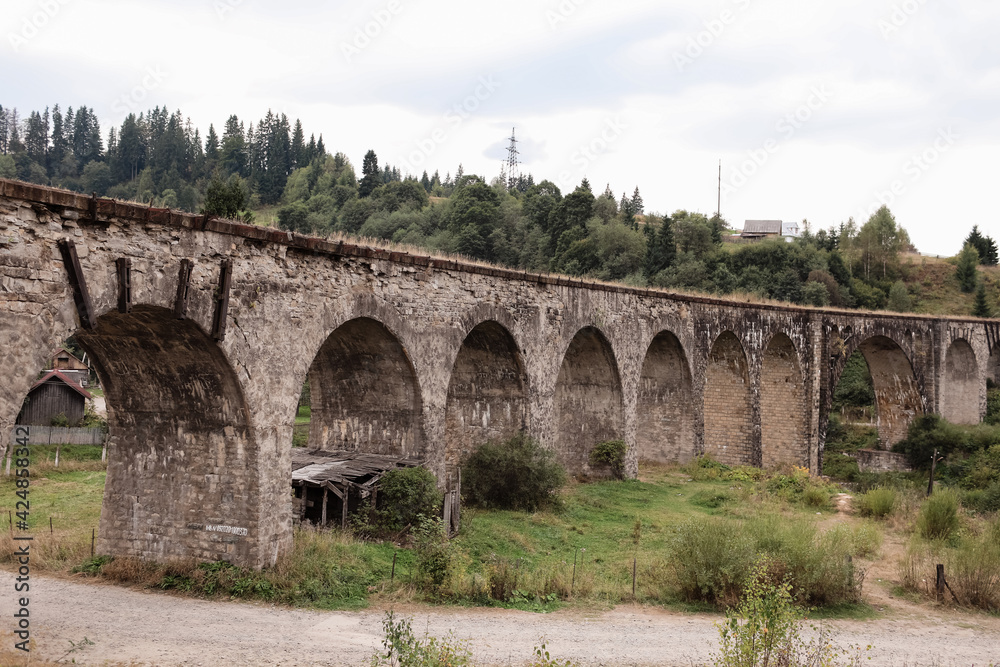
159 157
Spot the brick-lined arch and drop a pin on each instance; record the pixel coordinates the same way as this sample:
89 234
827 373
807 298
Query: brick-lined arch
728 403
665 421
486 392
588 398
783 413
183 453
960 388
365 394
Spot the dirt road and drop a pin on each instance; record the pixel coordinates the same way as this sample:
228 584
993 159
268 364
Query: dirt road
151 628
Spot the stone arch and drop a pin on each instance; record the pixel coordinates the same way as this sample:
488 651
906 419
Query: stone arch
486 392
783 414
183 454
897 394
364 392
728 403
588 398
960 386
665 422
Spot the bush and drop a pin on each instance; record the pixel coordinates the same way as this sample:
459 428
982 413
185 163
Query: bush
877 503
714 558
610 453
516 474
938 518
984 501
405 495
401 648
975 570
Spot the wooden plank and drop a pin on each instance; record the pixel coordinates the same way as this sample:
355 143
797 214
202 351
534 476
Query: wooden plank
323 516
222 300
124 266
81 296
183 287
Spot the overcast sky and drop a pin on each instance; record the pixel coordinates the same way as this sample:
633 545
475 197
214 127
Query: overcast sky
818 109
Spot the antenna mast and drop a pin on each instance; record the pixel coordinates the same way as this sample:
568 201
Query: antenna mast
508 170
718 206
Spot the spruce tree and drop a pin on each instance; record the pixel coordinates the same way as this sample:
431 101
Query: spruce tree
966 272
371 176
661 249
982 306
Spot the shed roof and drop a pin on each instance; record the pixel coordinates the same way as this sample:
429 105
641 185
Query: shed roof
59 377
762 227
328 469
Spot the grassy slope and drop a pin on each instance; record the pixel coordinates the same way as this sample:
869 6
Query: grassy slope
932 282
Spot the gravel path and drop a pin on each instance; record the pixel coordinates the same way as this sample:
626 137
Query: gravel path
152 628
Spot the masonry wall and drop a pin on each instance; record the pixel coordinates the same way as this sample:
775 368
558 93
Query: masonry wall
385 340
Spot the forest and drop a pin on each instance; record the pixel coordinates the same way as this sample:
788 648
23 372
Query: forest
270 169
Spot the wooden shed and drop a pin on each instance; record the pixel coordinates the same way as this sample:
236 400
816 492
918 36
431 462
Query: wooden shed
330 485
55 394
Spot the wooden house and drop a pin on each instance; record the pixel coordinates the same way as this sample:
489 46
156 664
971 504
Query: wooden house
55 394
69 365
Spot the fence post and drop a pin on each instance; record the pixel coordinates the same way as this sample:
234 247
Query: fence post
940 582
635 560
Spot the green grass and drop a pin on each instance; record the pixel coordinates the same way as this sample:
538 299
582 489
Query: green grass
604 527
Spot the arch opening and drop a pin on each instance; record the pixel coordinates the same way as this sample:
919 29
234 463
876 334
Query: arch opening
728 406
897 396
182 455
363 393
993 368
665 423
486 392
960 391
588 399
783 415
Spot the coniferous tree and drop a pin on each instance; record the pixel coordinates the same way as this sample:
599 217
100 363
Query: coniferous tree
982 307
661 249
637 206
371 177
57 153
299 156
966 271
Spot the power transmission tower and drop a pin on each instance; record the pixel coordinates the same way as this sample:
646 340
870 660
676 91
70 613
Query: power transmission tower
508 170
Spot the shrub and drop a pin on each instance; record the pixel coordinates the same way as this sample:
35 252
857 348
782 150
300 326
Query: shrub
610 453
938 518
516 474
401 648
877 503
761 630
711 559
405 494
984 501
975 570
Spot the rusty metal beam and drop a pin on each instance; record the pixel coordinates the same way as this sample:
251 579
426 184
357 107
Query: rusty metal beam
124 266
222 301
183 286
78 282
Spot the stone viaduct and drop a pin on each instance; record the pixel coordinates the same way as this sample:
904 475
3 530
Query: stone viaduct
203 332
